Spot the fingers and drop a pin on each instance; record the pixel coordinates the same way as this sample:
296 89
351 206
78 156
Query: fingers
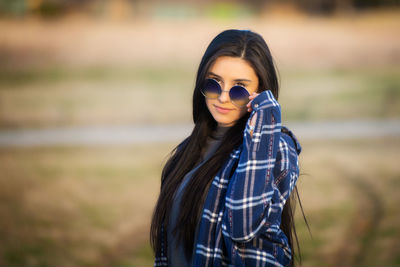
252 124
251 97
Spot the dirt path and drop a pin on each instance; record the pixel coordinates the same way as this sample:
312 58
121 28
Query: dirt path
142 134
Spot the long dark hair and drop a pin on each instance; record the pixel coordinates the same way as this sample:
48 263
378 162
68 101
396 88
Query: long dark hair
251 47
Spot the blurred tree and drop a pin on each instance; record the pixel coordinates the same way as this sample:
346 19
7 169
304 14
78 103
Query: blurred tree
44 8
331 6
322 6
375 3
318 6
53 8
13 7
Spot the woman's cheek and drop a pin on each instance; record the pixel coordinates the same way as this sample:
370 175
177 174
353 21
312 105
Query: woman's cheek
243 111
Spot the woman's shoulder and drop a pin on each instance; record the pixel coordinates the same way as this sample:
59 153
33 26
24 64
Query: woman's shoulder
289 136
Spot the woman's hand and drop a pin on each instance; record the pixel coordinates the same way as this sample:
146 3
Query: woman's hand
249 109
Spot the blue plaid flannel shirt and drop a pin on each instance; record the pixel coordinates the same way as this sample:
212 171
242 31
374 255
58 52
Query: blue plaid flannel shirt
240 223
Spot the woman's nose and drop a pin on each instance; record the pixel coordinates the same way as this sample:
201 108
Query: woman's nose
224 97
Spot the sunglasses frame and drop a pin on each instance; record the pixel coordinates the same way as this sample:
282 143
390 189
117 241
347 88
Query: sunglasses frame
230 98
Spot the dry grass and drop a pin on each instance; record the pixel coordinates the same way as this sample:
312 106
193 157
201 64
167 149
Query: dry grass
77 71
350 199
163 95
67 206
91 206
300 41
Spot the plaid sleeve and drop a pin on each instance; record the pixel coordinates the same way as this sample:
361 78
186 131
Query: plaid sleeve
248 200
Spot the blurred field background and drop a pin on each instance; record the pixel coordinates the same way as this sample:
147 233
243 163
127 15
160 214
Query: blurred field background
79 63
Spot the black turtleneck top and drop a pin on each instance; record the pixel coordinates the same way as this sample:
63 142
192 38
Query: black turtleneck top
176 253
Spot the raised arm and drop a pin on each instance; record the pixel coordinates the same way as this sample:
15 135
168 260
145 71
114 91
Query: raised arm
251 190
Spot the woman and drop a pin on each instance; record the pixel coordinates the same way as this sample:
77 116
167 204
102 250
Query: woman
224 196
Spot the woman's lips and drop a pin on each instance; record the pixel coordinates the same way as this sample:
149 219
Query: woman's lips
222 110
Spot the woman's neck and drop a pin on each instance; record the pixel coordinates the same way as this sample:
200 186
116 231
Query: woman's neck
220 131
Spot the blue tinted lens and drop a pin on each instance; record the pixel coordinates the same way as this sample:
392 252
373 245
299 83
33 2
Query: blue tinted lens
211 89
239 95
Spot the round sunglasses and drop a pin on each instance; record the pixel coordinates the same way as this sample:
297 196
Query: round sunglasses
238 94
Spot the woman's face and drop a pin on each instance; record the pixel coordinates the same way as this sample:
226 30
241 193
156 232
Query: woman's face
230 71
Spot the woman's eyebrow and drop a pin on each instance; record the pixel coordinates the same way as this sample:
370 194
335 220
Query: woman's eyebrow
236 80
213 74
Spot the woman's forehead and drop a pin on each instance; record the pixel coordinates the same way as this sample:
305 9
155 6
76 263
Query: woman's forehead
232 68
